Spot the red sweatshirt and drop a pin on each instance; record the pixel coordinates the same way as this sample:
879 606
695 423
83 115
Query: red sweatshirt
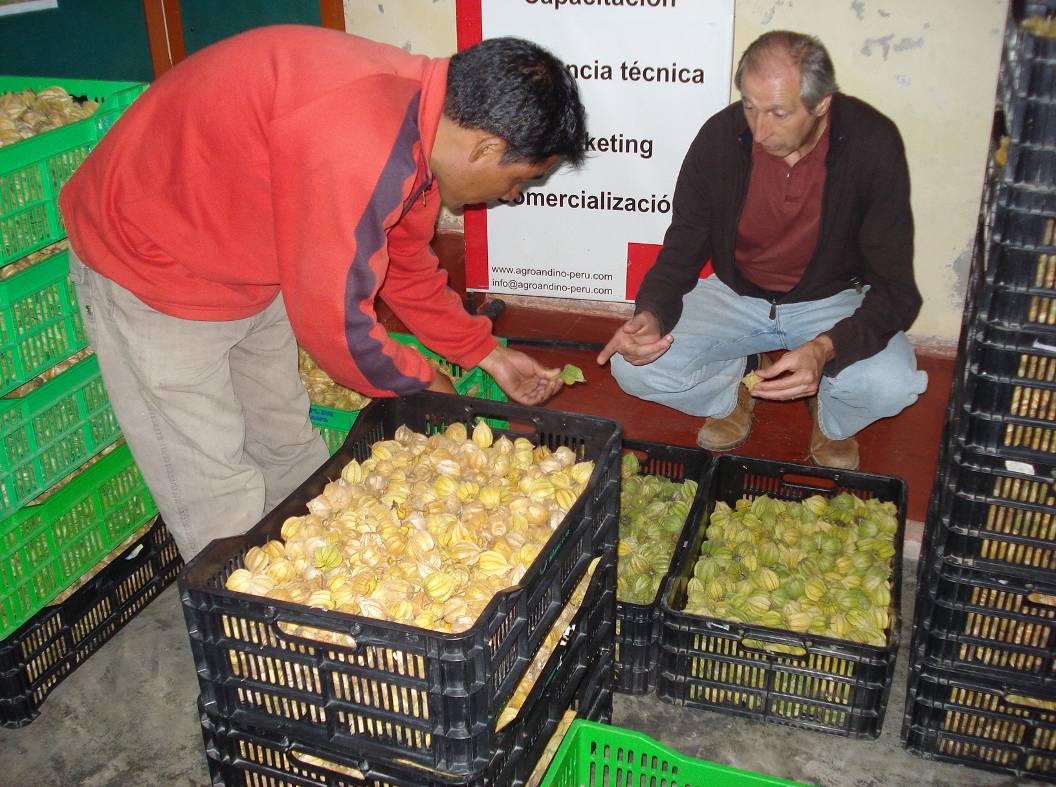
292 159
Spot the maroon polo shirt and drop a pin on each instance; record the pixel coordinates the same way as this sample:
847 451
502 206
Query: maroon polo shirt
779 223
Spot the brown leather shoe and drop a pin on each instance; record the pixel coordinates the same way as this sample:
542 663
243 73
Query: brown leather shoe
724 434
826 452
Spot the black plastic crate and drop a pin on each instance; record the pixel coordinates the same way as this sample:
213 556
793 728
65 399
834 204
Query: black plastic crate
1029 113
1031 311
1007 398
636 681
991 725
1018 267
54 642
951 448
587 638
970 323
1008 355
402 692
586 692
999 515
834 686
1021 9
1008 393
1028 62
1010 436
1023 216
934 535
248 756
994 625
1032 165
638 625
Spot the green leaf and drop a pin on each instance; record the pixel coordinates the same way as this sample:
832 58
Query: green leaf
572 374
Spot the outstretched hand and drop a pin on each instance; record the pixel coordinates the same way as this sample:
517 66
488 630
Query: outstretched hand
797 373
523 378
638 340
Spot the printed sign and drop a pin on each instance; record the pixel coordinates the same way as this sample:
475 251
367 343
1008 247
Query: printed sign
650 72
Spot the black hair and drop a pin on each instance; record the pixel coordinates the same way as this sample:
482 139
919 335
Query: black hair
517 90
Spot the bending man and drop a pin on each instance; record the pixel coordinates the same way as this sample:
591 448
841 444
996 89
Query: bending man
275 185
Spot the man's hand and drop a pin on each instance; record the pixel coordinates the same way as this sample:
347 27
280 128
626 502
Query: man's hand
797 373
442 384
638 340
522 378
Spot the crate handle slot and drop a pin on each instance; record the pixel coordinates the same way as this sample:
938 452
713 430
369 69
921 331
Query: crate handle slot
350 634
1030 702
770 648
359 772
813 483
1045 599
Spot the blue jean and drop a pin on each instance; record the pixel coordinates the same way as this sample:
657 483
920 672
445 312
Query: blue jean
719 329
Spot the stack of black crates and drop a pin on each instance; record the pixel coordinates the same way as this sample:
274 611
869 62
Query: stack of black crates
982 682
380 703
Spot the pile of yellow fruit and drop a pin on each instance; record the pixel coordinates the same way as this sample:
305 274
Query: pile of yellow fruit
30 260
653 511
424 532
321 388
820 566
546 649
24 114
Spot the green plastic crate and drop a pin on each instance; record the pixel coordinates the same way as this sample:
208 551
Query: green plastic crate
334 424
33 171
51 431
40 323
45 547
594 754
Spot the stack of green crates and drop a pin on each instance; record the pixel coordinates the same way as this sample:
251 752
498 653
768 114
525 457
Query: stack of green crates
334 424
58 517
32 172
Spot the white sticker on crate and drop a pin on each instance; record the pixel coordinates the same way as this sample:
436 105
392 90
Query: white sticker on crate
1019 467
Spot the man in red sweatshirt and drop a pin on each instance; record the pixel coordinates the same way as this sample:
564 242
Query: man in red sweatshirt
275 185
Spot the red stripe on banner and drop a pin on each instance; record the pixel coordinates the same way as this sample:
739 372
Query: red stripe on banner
476 229
469 26
640 258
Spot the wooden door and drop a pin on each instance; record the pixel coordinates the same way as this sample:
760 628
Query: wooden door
177 28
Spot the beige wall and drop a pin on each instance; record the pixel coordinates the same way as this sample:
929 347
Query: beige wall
930 66
426 27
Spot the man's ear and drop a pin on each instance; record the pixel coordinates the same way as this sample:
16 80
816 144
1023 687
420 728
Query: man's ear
488 146
823 106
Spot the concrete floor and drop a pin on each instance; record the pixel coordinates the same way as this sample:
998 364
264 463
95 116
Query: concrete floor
127 717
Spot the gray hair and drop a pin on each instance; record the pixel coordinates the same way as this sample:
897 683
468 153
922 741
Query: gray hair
817 75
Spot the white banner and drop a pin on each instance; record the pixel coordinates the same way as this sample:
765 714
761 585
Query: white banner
650 72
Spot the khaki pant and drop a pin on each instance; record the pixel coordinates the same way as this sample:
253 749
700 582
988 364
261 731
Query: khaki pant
214 412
